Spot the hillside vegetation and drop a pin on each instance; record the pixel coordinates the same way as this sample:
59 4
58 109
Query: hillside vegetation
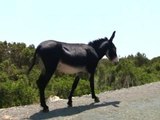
16 88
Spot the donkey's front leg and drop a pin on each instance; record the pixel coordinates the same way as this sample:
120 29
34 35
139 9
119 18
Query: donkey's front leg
96 99
75 83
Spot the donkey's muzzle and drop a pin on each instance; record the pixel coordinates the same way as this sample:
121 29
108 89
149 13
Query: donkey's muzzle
115 60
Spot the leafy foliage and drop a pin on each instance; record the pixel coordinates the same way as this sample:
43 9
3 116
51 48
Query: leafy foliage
16 88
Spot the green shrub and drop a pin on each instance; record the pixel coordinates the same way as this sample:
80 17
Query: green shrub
16 93
16 88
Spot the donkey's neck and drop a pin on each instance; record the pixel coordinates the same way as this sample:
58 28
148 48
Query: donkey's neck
100 46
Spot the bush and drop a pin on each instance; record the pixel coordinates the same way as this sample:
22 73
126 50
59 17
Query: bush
61 86
16 88
16 93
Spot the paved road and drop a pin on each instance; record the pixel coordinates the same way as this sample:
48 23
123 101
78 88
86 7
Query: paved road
136 103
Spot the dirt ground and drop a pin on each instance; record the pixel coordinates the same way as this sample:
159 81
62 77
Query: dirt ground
136 103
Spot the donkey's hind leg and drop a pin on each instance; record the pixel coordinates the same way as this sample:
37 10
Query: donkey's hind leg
75 83
41 83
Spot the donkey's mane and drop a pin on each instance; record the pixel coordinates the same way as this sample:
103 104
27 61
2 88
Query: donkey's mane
97 42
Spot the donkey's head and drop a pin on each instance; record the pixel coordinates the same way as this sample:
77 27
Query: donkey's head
106 47
111 52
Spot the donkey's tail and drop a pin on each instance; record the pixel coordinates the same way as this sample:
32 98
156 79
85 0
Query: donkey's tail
33 62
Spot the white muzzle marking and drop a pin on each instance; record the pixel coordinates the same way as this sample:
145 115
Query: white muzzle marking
115 60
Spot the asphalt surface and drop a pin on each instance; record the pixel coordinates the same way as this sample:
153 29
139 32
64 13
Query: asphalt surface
136 103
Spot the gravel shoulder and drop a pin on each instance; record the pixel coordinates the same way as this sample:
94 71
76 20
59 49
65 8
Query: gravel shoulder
136 103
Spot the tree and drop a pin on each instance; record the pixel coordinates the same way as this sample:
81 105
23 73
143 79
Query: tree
141 59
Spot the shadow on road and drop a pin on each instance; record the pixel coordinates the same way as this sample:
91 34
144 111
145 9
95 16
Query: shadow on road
71 110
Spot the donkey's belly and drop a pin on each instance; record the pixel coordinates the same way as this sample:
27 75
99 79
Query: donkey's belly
68 69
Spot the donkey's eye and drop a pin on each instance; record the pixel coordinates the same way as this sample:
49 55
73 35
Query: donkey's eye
114 49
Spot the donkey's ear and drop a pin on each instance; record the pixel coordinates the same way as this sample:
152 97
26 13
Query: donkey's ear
111 38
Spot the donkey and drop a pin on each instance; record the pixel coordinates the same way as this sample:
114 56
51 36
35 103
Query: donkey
71 59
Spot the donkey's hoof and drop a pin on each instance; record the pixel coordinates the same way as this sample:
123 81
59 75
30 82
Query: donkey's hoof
96 100
45 110
69 104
